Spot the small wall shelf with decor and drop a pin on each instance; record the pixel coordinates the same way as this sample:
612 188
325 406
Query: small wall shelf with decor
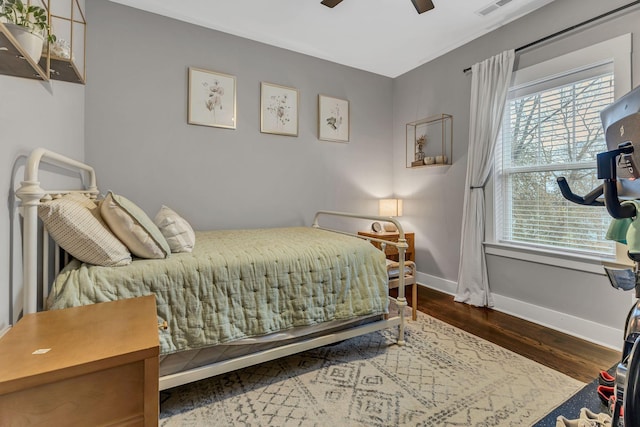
21 39
67 54
62 59
430 141
14 61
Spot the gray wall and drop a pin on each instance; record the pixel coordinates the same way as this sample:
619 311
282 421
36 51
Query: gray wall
133 116
138 139
435 196
32 114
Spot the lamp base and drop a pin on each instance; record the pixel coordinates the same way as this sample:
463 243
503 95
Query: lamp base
390 227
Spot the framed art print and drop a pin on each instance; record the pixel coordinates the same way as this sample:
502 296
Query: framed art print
278 109
212 99
333 119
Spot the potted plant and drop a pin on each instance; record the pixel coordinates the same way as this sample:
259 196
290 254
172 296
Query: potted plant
28 24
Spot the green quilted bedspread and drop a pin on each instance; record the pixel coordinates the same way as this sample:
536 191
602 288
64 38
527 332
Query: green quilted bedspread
241 283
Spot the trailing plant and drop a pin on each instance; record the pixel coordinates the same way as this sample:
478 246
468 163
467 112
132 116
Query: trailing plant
30 16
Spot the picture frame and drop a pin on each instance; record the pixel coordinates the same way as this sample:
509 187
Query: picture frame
333 119
278 109
212 99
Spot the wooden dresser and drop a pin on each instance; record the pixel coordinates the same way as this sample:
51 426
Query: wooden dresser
89 366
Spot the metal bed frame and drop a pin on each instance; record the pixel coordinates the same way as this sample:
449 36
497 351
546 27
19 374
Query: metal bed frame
35 288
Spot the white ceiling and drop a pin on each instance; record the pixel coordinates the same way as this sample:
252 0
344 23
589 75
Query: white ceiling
386 37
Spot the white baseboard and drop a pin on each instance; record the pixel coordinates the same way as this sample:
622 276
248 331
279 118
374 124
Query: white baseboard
572 325
437 283
4 330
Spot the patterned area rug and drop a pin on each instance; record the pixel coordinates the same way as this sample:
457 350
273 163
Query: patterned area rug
443 376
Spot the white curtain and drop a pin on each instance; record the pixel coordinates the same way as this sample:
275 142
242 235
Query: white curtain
489 86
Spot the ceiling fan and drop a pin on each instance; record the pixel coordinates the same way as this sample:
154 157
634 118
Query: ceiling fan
420 5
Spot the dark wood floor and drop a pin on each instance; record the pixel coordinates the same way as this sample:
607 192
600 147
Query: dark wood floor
577 358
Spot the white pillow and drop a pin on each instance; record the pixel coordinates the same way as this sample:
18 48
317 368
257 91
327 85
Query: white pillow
133 227
75 224
178 232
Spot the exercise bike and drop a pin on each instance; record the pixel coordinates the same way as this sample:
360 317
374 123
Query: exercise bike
619 168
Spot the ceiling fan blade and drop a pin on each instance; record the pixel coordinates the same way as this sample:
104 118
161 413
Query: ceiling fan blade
423 5
330 3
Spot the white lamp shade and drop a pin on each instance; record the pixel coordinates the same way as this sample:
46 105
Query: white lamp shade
390 207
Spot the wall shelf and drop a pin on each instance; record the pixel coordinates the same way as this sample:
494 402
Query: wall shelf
63 69
68 54
69 25
429 142
15 62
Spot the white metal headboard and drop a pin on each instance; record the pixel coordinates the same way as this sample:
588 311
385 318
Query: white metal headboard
31 194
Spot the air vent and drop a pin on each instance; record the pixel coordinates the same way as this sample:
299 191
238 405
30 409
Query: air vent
492 7
487 10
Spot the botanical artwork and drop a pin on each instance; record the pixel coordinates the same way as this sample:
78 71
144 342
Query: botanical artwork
278 109
333 119
212 99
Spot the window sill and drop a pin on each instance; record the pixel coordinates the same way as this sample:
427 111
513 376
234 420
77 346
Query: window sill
583 263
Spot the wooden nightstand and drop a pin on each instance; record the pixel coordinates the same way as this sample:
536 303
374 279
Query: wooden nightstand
391 251
101 367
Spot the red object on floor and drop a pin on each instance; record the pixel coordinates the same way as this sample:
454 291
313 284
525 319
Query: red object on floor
605 393
612 406
606 379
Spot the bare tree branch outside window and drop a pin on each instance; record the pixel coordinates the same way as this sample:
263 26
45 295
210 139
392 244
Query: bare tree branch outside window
548 134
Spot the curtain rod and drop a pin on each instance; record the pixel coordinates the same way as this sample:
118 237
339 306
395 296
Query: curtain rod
566 30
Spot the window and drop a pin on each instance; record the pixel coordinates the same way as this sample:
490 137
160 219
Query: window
551 128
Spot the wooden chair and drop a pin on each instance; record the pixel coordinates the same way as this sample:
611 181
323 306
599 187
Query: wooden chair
393 271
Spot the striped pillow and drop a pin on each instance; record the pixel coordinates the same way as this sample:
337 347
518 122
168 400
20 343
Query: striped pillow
75 224
178 232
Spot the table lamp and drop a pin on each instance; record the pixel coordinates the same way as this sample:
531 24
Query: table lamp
390 207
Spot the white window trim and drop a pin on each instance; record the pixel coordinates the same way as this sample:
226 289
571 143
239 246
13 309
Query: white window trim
617 49
582 263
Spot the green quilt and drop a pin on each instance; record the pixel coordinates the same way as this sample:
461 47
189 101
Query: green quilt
241 283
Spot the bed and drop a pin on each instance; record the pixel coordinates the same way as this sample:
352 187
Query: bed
238 298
